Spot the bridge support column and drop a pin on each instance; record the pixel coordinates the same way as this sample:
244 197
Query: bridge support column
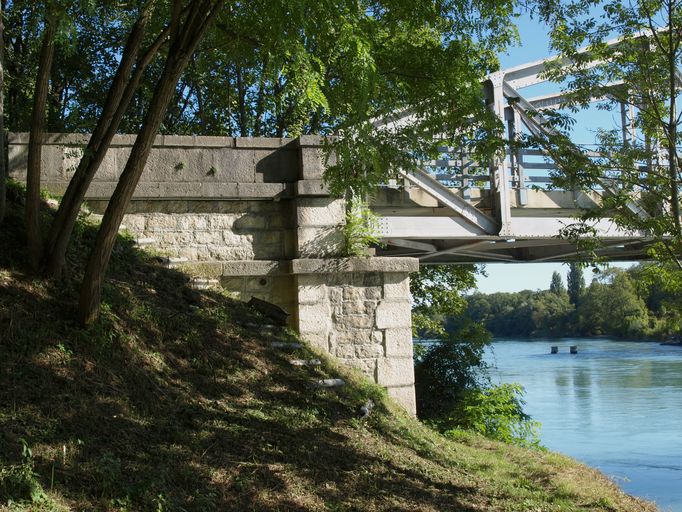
358 310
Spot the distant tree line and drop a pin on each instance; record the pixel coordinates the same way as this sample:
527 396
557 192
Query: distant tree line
637 303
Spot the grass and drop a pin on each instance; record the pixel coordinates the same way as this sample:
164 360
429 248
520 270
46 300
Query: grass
171 403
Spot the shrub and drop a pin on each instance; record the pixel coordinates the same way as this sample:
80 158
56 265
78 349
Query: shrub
497 413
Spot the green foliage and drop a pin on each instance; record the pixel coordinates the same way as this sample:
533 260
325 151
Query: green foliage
525 313
611 306
660 286
497 413
437 294
283 69
642 302
639 71
575 283
447 369
361 230
19 482
557 285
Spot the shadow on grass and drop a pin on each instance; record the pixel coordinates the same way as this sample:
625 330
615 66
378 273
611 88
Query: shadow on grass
168 404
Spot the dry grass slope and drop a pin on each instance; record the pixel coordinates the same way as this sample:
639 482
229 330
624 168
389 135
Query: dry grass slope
171 403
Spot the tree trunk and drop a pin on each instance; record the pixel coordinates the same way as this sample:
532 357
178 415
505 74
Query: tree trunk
35 143
241 94
672 127
184 40
3 168
120 94
260 99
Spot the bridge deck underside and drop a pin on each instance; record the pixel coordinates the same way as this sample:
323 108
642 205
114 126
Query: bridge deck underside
437 236
495 249
438 225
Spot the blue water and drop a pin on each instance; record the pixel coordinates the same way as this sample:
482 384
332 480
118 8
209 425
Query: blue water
616 406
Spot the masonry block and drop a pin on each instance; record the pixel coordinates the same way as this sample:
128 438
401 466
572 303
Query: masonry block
367 366
208 237
134 223
318 339
218 190
335 294
393 371
220 221
353 293
374 293
312 163
263 190
313 188
345 351
358 321
343 335
235 165
161 222
404 395
390 315
396 286
320 212
193 222
358 307
369 351
398 342
314 317
249 221
319 241
311 294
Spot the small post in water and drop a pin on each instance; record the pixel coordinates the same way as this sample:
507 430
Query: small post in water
574 349
555 350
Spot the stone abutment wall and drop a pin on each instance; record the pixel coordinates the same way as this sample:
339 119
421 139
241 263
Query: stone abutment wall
254 215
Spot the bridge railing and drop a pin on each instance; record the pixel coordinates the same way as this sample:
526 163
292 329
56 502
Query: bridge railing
524 168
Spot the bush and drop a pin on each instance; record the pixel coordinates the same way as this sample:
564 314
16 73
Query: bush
448 368
453 391
497 413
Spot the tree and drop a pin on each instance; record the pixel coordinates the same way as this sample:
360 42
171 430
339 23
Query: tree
556 286
437 294
639 166
550 312
448 369
123 87
3 170
268 68
187 26
33 228
575 282
611 305
658 286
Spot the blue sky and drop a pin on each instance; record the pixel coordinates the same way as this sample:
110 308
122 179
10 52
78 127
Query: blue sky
514 277
511 277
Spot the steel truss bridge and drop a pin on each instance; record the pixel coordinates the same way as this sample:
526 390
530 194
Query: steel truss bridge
450 212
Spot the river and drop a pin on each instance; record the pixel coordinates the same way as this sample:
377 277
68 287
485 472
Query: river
616 406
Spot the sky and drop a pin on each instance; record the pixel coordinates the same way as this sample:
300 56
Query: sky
513 277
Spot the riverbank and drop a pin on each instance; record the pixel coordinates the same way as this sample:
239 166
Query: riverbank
177 399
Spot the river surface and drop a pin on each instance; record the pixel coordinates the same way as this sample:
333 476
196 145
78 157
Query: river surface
616 406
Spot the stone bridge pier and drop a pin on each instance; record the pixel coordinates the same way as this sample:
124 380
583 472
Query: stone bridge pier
253 216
